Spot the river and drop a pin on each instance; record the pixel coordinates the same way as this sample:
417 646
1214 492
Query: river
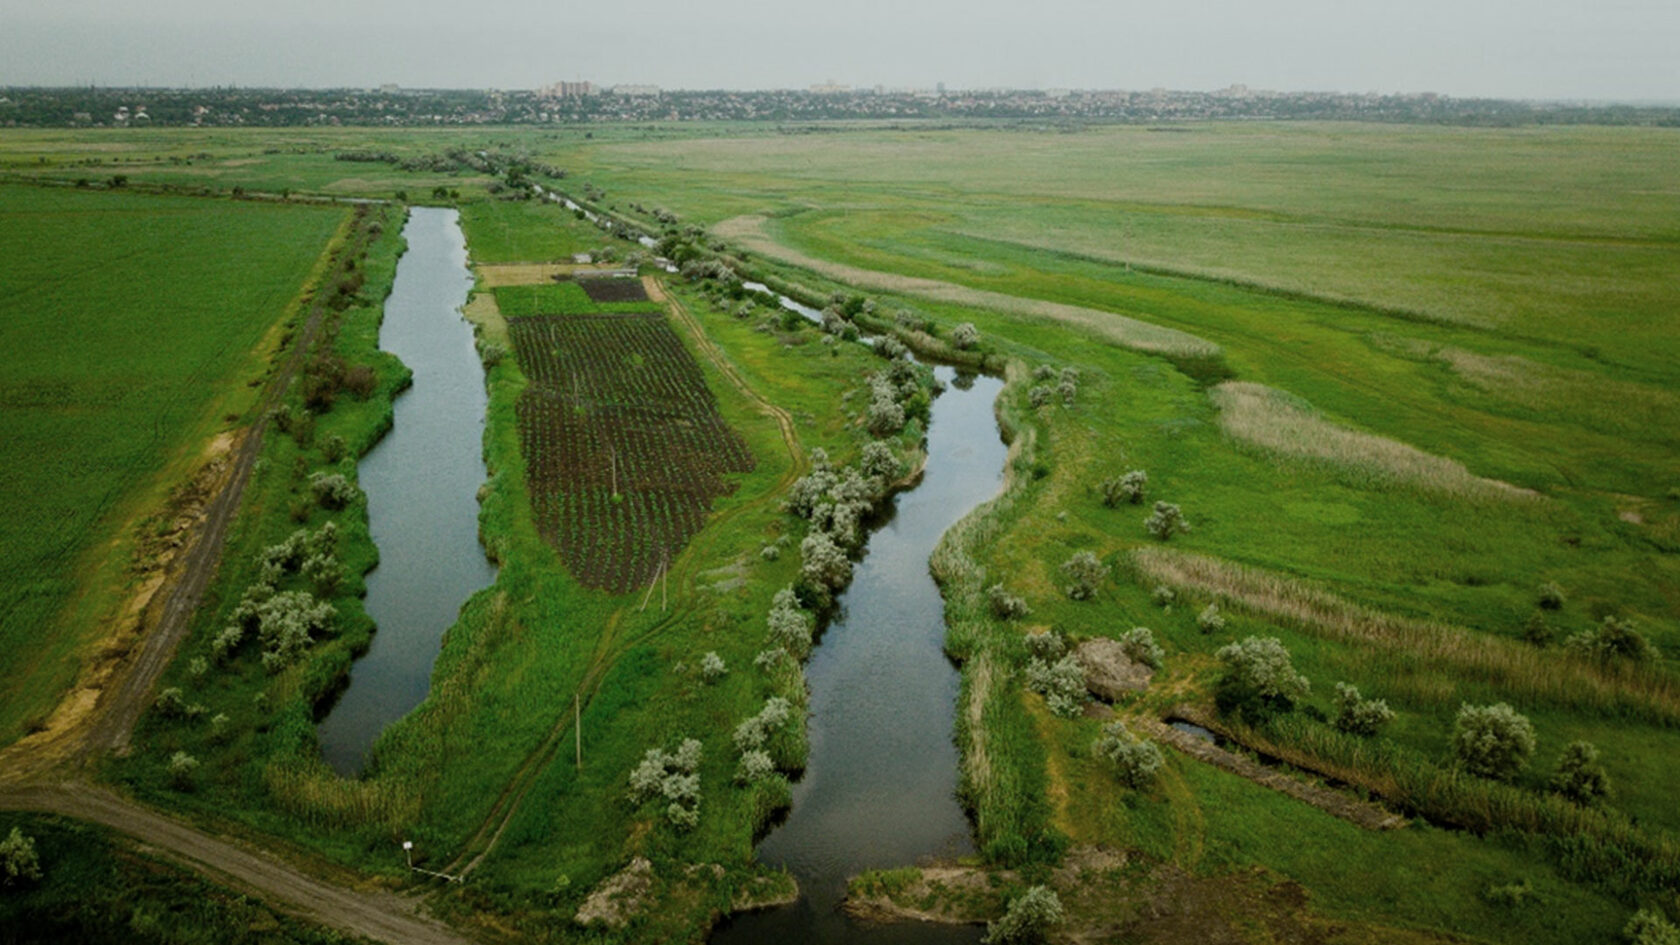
422 484
879 789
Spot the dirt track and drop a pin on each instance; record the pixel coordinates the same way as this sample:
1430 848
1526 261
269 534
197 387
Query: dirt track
378 915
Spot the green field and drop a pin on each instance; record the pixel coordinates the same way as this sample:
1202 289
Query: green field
130 330
1397 377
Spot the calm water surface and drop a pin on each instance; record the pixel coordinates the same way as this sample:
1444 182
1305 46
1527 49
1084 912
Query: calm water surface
880 786
422 486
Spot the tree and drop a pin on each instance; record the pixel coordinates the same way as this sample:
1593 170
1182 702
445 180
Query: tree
1062 683
1126 488
1357 715
824 564
1084 572
965 336
1579 776
331 490
1136 761
1028 918
790 626
1139 645
19 864
1165 521
1259 678
1492 741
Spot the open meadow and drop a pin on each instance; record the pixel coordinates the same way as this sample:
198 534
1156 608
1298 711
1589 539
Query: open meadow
1413 391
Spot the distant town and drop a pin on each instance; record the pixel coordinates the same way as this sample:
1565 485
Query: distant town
582 102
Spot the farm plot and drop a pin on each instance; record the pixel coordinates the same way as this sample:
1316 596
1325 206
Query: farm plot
624 446
613 289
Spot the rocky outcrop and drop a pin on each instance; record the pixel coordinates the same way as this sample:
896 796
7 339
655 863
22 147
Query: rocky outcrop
1109 673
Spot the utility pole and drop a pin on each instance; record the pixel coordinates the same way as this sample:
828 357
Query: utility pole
577 726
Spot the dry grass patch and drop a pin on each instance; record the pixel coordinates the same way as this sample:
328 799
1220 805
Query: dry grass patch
1112 327
1427 646
1281 423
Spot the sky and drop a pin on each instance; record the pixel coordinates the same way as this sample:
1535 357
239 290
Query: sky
1625 50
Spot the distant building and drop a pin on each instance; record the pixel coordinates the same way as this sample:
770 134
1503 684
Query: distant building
636 91
568 90
830 87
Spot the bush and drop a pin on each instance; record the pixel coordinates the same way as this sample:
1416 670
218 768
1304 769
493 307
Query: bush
1615 639
19 864
1650 927
1140 646
1536 630
331 490
1510 894
879 461
672 777
712 667
1062 684
1357 715
1039 395
1084 572
1136 761
170 703
965 336
1259 678
755 766
1068 391
1492 741
1579 776
491 353
1210 620
790 626
1006 606
1047 646
182 768
824 563
1549 596
1028 918
1127 488
1163 596
1165 521
333 448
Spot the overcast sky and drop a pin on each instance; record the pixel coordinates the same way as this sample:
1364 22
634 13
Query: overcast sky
1602 49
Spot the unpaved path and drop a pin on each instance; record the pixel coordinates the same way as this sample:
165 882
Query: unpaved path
1329 800
379 915
1113 327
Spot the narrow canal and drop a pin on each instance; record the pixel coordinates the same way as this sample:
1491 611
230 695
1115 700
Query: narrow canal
880 786
422 485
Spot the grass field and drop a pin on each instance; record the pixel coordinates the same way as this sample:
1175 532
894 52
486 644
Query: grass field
131 331
1397 377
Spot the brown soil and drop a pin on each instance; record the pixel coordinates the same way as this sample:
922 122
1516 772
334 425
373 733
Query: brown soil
613 289
529 273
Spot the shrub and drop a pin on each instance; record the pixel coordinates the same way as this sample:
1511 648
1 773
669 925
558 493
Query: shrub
1492 741
1028 918
1136 761
1549 596
1006 606
1062 684
324 573
1165 521
1068 391
1357 715
673 777
182 768
1259 678
1039 395
170 703
790 627
1084 572
331 490
286 624
755 766
1047 646
1614 639
890 348
491 353
333 448
19 864
1126 488
879 461
712 667
1163 596
226 641
965 336
1210 620
1579 776
1650 927
1139 644
1536 630
824 563
1510 894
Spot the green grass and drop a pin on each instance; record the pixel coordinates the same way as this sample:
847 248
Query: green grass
507 231
130 331
95 888
558 298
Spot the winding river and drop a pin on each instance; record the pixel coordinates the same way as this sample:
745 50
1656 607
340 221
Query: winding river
422 484
880 786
